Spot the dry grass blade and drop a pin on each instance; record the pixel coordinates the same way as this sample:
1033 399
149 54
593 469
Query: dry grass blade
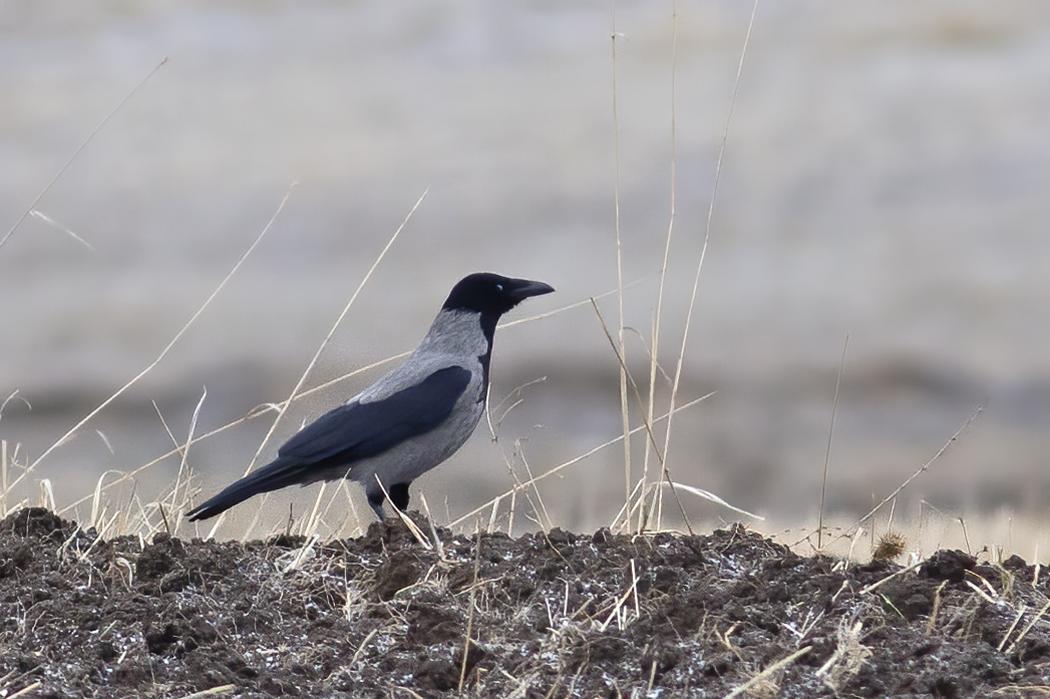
40 215
1031 624
515 398
627 510
708 495
624 413
47 494
768 672
470 613
931 624
26 691
1025 691
15 394
570 462
922 469
97 505
78 151
412 527
661 288
439 547
414 695
827 452
676 383
361 648
1021 609
630 379
850 654
543 518
878 583
183 475
624 372
617 610
167 348
3 478
213 692
312 522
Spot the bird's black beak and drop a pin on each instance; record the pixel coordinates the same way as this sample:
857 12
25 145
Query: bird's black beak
521 289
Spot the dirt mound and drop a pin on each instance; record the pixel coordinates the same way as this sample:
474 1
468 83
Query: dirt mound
558 614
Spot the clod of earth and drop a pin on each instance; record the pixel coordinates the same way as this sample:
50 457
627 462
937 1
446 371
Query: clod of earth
554 614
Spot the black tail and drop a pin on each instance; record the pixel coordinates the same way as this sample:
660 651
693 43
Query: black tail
275 475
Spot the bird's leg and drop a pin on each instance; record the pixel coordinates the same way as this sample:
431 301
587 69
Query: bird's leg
375 499
399 496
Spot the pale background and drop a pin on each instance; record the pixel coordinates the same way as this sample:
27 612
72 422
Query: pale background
886 175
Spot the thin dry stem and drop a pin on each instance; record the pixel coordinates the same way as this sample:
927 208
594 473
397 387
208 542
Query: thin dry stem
78 151
931 623
167 348
26 691
572 461
213 692
1031 624
878 583
922 469
624 407
658 317
707 234
646 424
827 452
184 462
765 674
470 614
40 215
1021 609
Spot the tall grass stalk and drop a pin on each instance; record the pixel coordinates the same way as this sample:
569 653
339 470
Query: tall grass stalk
3 478
658 315
648 428
676 383
653 513
827 452
625 412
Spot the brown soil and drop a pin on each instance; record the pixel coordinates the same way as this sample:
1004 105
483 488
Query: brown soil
552 615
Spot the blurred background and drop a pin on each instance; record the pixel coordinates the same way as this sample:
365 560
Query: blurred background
885 175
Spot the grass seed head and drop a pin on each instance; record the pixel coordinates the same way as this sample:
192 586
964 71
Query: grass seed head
891 544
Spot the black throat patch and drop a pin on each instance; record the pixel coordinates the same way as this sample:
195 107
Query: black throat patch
488 328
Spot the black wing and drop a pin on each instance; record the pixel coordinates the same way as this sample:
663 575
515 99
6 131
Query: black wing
359 430
347 434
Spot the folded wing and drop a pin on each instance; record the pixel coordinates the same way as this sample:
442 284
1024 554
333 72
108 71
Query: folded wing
347 434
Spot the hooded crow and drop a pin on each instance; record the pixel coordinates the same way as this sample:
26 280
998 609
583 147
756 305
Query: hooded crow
407 422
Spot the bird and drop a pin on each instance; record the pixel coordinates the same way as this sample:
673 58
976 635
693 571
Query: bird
408 421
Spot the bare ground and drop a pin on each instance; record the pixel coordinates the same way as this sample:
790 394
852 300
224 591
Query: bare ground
543 615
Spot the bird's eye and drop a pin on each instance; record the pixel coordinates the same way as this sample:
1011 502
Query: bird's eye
499 287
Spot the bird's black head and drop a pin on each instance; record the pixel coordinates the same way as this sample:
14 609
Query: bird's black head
492 295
